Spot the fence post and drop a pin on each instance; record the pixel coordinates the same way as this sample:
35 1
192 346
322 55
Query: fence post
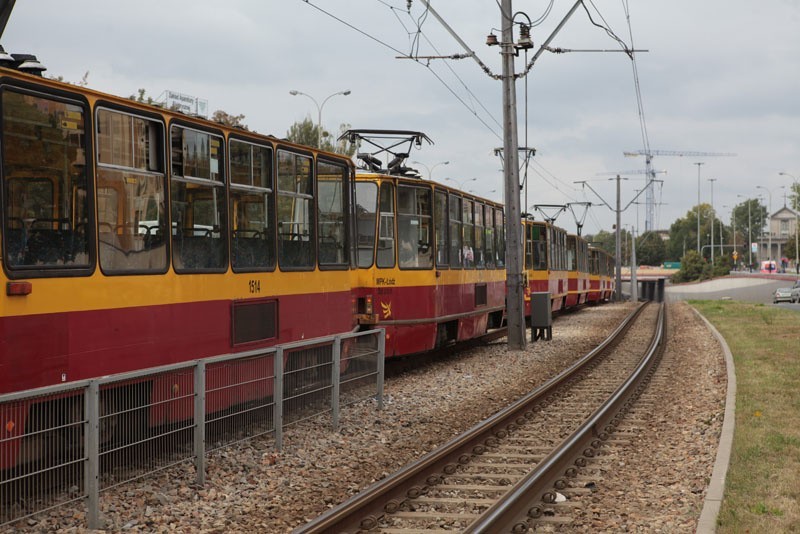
200 421
92 451
277 396
335 378
381 364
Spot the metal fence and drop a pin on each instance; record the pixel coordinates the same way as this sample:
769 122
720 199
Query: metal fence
65 444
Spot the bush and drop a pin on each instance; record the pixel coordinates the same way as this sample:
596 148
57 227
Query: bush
693 268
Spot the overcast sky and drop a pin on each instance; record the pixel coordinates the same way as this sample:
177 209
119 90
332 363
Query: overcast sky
718 76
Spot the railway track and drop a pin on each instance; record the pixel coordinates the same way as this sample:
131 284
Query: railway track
512 471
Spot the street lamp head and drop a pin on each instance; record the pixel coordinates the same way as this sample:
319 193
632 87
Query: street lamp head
294 93
347 92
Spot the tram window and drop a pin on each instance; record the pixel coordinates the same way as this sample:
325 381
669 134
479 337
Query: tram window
440 223
500 238
366 218
295 204
131 218
331 208
456 236
414 215
560 244
539 248
45 182
468 219
199 220
250 207
488 239
572 258
529 245
386 238
480 261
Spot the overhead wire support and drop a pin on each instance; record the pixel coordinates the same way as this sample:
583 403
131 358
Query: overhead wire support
470 53
565 50
452 56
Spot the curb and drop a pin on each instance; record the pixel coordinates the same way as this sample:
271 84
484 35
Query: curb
707 524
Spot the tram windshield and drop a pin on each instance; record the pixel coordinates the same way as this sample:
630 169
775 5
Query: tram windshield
366 219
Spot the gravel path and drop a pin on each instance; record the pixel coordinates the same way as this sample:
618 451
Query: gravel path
252 488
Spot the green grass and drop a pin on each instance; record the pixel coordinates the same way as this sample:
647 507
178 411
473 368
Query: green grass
762 490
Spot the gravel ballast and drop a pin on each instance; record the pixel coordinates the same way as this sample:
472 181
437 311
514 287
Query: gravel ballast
252 488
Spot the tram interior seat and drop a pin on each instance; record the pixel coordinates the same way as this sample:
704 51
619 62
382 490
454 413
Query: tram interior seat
198 252
249 249
330 251
295 250
41 244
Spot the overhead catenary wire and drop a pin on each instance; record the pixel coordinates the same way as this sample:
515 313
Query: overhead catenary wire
401 54
455 74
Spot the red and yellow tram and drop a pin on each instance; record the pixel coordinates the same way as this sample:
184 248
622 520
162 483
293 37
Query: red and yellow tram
430 258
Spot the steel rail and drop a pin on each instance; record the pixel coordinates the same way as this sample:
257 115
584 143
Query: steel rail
363 510
512 512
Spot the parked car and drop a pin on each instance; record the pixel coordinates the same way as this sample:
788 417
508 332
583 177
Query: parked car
786 294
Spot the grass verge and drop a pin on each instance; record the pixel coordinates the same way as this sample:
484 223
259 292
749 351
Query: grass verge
762 492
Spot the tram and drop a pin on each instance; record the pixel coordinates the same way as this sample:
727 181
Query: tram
430 258
134 236
545 262
601 276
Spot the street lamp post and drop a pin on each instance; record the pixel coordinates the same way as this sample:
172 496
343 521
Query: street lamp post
459 183
319 109
699 163
431 168
749 234
712 180
796 209
733 227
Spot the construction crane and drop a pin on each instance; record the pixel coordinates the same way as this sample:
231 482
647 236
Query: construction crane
648 154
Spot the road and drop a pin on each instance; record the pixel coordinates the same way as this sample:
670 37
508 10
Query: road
746 289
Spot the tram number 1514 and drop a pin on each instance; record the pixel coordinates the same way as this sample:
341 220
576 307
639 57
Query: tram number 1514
255 286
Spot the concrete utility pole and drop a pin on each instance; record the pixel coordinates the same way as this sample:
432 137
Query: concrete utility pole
515 309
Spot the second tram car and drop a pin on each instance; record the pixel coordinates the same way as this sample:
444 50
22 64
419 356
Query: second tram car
430 257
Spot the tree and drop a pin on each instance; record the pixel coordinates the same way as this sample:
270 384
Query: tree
650 249
683 232
789 249
794 194
83 83
757 219
142 96
232 121
603 240
305 132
